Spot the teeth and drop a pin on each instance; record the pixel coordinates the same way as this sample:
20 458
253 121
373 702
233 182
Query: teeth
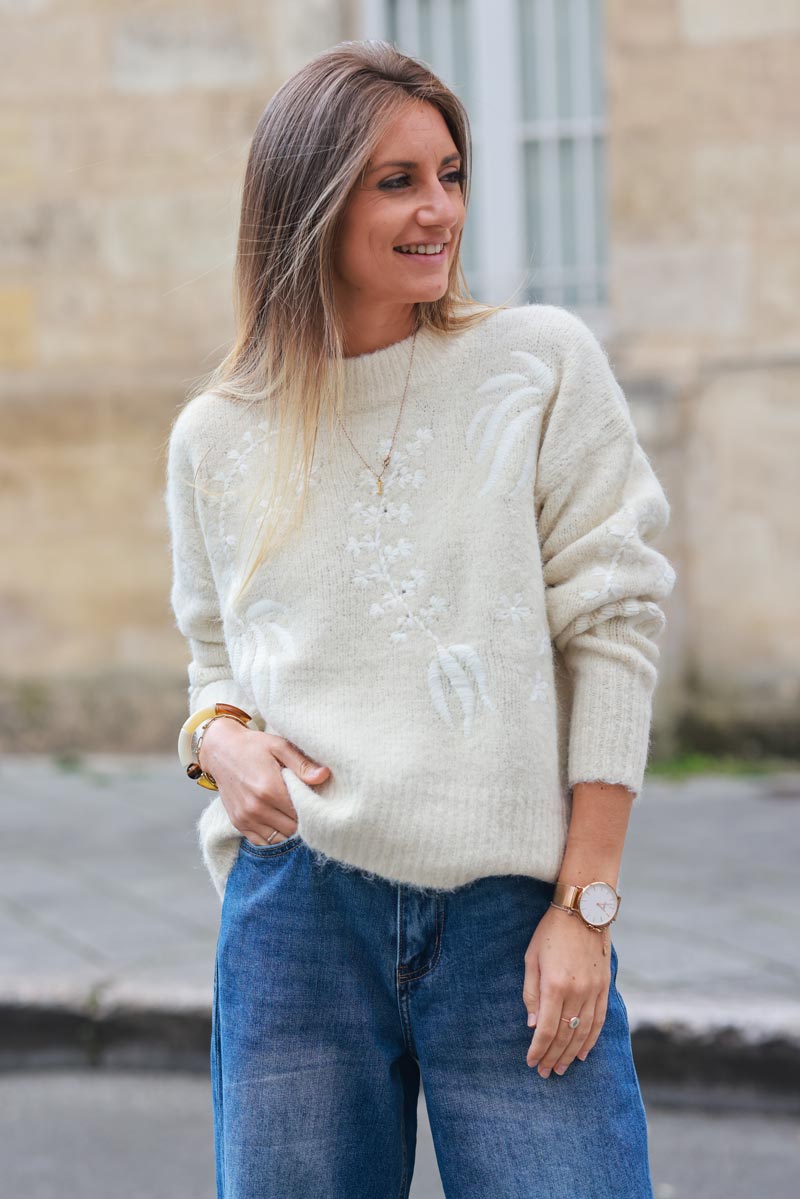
420 249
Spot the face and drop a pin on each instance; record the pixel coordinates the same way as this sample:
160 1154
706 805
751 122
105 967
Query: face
407 205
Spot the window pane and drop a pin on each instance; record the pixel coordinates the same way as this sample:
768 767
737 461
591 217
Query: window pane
533 209
563 54
391 21
569 255
596 56
425 27
529 78
461 57
600 205
566 171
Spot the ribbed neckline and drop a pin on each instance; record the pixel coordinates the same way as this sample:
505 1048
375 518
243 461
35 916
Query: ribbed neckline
375 381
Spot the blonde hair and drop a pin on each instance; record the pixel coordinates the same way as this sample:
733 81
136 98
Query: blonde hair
310 148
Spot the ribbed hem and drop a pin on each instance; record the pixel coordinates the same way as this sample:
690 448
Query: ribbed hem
610 723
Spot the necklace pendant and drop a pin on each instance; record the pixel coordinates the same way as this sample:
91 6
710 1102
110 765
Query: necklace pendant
380 486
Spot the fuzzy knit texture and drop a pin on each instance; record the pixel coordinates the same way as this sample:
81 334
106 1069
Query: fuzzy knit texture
461 650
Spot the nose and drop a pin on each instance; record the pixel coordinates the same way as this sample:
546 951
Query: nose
440 206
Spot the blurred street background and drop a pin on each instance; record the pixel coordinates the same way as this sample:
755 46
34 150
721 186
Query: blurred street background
635 162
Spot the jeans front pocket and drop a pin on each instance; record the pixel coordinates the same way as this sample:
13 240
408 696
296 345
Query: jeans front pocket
274 850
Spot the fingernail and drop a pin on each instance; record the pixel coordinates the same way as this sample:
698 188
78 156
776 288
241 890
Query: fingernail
531 1019
546 1073
560 1069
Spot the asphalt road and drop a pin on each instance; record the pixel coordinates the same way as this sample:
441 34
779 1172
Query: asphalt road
87 1135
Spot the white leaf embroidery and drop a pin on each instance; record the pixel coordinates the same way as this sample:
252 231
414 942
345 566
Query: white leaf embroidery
503 429
450 663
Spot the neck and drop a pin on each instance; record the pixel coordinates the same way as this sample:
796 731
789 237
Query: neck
377 328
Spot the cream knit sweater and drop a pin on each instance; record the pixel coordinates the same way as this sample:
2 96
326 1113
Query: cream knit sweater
464 648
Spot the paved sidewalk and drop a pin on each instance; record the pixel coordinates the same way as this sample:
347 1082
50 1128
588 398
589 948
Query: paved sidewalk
108 922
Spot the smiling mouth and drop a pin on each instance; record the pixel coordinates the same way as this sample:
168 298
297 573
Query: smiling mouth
437 256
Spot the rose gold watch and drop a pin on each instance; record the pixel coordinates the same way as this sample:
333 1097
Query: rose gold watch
597 903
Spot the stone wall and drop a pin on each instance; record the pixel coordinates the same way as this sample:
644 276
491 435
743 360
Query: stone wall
705 280
124 131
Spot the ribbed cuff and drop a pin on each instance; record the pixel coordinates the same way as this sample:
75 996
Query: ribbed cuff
610 723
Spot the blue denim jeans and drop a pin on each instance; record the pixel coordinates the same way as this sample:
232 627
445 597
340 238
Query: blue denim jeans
334 991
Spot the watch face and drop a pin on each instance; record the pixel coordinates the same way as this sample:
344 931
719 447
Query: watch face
598 904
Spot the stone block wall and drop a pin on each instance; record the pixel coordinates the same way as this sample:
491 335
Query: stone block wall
705 279
124 131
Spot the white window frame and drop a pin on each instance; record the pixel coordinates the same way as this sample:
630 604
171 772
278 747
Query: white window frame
501 273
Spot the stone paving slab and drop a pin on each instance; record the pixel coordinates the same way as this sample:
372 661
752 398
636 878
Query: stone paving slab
106 911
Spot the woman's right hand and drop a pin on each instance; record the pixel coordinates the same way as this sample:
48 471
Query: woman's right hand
246 766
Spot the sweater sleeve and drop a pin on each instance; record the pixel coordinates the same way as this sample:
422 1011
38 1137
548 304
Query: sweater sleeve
194 598
599 506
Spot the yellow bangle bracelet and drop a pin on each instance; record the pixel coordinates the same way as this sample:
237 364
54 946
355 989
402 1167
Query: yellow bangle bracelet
185 735
185 753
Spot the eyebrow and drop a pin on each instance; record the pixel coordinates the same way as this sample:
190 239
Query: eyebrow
410 165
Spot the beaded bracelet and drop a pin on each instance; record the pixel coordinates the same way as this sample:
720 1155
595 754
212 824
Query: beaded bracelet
187 753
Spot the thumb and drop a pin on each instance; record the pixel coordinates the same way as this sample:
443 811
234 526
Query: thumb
302 765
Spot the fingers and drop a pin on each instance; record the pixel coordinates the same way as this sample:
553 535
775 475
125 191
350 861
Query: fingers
269 809
553 1040
600 1012
555 1045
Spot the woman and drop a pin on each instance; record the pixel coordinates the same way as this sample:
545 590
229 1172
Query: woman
439 677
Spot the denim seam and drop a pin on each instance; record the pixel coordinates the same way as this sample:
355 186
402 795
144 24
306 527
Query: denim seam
217 1050
403 1193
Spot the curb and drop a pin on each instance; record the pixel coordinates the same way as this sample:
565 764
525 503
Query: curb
697 1042
686 1043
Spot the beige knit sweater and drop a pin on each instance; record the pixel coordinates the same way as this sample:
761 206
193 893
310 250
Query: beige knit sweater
464 648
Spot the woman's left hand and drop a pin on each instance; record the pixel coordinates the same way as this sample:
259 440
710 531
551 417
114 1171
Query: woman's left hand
566 974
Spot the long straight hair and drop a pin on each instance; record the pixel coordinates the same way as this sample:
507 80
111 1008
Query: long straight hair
310 149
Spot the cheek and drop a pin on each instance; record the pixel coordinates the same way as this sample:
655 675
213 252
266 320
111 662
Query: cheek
367 233
374 242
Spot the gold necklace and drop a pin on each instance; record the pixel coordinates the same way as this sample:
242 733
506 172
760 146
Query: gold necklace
379 477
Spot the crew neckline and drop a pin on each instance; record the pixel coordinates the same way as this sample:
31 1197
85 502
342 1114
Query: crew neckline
392 345
375 380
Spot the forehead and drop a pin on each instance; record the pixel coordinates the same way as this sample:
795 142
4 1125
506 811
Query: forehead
418 132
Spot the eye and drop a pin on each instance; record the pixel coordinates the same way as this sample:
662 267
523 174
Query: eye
399 181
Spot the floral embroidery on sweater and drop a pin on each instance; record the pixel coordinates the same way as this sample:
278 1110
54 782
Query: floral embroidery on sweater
540 687
516 612
625 544
623 541
404 592
239 460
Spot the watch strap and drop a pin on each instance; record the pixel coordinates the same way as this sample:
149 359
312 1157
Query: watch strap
566 896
